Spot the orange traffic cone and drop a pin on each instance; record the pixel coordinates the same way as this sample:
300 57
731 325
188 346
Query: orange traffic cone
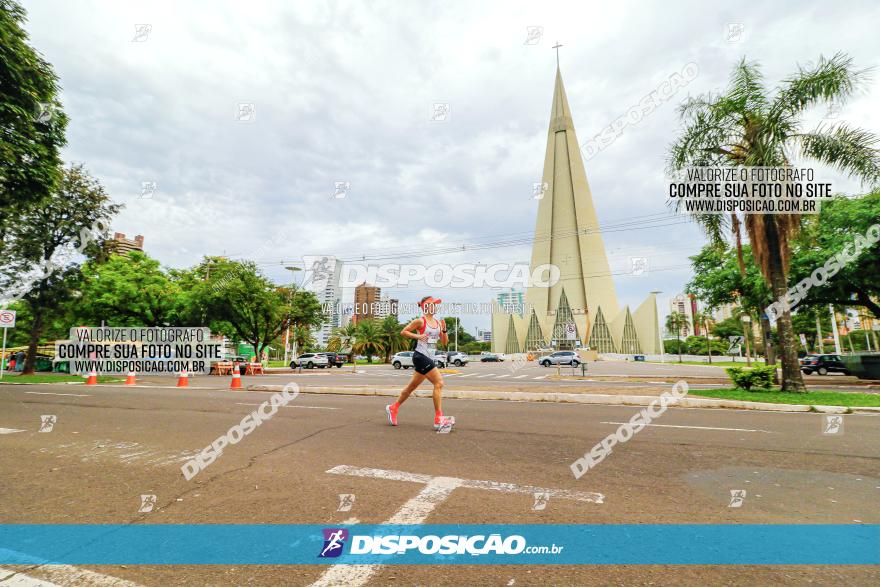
93 378
236 379
183 380
130 379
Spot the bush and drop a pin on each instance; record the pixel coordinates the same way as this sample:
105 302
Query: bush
756 377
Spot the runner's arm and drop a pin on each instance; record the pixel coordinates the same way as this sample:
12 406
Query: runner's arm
408 330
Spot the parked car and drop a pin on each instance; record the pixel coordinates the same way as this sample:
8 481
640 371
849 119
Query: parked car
560 358
334 359
404 360
456 358
491 358
823 365
310 361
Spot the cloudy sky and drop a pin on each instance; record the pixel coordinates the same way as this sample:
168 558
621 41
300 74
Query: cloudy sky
344 91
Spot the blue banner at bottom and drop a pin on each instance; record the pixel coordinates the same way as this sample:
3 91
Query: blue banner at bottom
523 544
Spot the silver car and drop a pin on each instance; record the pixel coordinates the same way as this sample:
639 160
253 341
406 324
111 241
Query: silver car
405 360
560 358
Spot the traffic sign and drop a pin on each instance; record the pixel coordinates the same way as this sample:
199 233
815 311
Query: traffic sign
7 318
570 331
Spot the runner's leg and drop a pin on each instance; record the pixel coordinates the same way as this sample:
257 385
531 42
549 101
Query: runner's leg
435 377
416 380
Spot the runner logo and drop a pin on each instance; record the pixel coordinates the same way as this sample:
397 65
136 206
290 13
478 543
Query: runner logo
832 425
148 502
47 423
334 541
737 498
346 500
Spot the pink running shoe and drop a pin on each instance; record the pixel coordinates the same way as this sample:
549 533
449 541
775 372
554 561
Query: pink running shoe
391 411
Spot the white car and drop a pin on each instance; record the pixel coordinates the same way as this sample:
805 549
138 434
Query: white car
310 361
404 360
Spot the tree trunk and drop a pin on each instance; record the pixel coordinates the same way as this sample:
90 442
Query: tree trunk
34 339
678 340
792 380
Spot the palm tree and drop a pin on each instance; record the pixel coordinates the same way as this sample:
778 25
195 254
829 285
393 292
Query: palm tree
702 319
302 336
392 340
368 339
342 338
747 126
675 322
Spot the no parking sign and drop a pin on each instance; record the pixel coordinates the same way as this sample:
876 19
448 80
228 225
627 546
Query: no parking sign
7 318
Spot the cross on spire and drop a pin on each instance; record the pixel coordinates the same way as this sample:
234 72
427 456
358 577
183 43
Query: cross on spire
557 46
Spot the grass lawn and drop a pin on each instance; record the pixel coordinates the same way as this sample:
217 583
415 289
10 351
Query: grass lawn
812 398
59 378
715 363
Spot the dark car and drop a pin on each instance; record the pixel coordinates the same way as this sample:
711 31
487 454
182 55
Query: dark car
334 359
823 365
491 358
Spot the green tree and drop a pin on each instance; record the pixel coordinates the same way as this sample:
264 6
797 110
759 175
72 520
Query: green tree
747 127
702 320
128 290
343 337
32 123
835 228
675 323
368 339
42 242
392 340
235 299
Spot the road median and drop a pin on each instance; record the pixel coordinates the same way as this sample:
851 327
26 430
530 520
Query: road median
574 398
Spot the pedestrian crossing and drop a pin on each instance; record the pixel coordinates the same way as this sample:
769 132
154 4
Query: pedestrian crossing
407 374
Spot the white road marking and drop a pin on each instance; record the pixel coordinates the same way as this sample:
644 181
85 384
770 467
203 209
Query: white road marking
469 375
9 430
486 375
502 376
50 393
301 407
541 377
698 427
520 376
417 510
62 576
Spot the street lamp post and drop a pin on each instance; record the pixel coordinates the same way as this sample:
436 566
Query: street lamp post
659 333
287 330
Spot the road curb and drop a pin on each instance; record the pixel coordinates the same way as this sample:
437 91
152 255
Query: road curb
577 398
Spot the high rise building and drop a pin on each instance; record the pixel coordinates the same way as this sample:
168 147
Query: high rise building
322 278
684 304
366 302
386 307
119 245
512 302
581 308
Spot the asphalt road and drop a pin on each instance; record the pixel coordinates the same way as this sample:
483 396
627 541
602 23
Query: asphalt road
111 444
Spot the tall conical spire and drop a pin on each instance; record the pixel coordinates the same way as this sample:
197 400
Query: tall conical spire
566 230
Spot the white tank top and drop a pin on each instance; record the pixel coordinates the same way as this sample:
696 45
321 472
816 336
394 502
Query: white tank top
428 347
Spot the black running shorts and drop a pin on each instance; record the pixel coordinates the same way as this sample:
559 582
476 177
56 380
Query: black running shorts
422 363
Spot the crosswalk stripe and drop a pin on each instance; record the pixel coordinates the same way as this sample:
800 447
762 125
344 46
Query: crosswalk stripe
541 377
520 376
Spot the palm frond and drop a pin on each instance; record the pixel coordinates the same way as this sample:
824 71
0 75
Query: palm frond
850 150
747 90
828 80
